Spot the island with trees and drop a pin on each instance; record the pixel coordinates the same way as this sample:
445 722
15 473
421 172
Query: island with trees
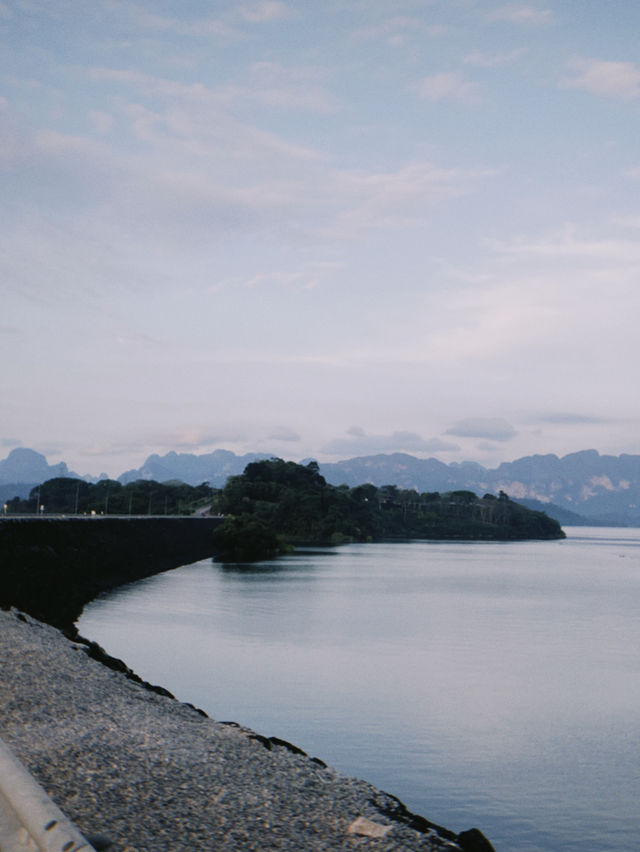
275 504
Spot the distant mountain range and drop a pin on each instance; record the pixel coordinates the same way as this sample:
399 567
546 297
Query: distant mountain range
598 487
23 469
214 468
580 487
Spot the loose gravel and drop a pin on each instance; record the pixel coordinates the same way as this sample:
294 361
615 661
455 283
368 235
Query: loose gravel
150 773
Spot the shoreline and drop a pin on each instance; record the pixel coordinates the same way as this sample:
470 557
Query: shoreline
127 760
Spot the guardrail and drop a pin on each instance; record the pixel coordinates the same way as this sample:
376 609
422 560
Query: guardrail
29 820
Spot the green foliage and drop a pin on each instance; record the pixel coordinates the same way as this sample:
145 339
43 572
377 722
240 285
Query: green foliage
296 502
245 538
64 495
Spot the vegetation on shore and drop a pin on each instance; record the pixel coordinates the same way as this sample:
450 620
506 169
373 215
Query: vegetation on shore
295 504
68 496
275 504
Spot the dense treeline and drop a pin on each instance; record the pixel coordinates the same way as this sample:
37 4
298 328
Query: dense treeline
296 503
65 495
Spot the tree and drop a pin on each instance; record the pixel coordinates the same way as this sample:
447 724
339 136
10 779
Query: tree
246 538
296 503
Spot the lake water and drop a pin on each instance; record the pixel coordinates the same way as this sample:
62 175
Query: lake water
489 685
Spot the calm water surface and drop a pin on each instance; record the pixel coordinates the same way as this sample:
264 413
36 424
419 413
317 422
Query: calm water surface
495 685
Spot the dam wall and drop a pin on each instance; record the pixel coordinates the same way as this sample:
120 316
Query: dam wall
51 567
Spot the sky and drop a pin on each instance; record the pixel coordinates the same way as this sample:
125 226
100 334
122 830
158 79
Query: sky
319 229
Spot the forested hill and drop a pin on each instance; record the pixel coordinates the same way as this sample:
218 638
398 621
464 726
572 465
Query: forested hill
296 503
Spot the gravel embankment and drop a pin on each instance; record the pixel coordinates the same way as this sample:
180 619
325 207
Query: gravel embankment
153 774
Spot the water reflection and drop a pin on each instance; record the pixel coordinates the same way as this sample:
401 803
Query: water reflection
252 570
491 684
288 565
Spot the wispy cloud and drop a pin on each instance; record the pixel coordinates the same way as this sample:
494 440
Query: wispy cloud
294 201
197 170
522 13
449 86
268 84
201 28
298 88
567 242
494 429
284 433
482 59
149 84
569 419
605 78
358 442
102 121
188 439
391 199
264 11
396 31
303 279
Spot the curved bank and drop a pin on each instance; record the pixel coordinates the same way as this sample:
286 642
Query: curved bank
149 773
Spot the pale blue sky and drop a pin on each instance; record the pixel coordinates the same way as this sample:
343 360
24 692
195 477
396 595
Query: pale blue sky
319 229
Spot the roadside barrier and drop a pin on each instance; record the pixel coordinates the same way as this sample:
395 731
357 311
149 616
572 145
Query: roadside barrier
29 820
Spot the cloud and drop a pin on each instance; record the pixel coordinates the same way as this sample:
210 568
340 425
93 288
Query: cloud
396 31
356 432
10 443
149 84
395 198
195 169
194 439
494 429
269 84
448 85
628 221
606 79
522 13
283 433
570 419
565 243
294 87
493 60
166 441
552 304
294 280
194 109
101 121
203 28
358 442
264 11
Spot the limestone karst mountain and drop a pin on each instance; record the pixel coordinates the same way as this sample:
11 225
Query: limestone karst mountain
602 488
